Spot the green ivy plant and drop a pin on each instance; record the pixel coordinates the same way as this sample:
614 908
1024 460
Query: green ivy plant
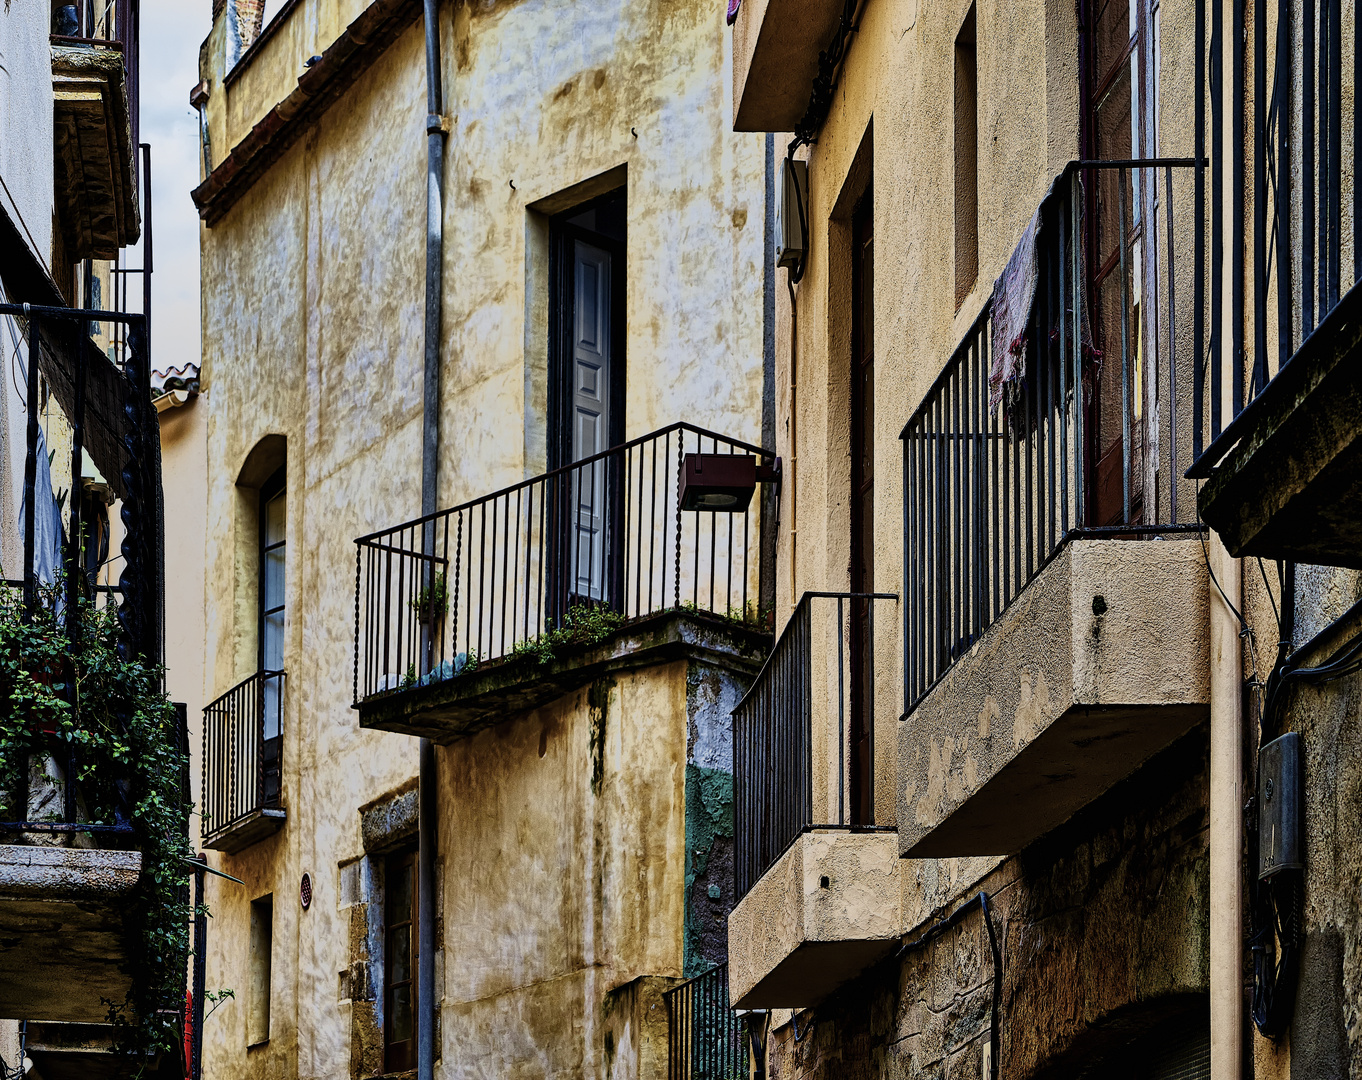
583 624
55 694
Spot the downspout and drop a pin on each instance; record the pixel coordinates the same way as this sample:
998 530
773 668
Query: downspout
1226 796
1227 820
436 130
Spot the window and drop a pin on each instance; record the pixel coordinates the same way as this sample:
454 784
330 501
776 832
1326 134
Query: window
262 943
966 161
586 386
399 962
271 630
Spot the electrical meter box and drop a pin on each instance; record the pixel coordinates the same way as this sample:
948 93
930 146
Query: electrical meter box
792 213
1280 806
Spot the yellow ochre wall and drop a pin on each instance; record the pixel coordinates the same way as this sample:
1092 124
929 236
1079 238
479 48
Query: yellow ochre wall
562 906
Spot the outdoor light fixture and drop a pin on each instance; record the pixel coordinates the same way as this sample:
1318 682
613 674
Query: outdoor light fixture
723 483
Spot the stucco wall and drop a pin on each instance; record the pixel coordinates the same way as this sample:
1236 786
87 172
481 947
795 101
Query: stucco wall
26 120
1103 935
558 892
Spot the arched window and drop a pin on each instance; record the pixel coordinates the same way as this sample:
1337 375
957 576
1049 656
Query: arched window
273 544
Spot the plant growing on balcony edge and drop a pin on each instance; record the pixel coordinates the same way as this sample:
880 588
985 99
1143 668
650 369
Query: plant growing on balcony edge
59 695
431 600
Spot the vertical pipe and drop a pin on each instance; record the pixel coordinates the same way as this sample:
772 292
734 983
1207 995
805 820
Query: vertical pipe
1284 81
1334 68
1226 821
1173 476
1217 329
200 967
1260 144
1126 433
1238 357
1307 282
430 459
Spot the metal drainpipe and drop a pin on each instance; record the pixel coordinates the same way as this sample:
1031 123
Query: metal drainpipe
430 458
1227 822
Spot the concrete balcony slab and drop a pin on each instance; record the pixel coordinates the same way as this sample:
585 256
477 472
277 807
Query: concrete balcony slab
481 697
1291 485
775 59
95 160
1100 663
827 910
61 931
247 830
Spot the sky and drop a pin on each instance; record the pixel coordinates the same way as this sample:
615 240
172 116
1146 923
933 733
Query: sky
172 31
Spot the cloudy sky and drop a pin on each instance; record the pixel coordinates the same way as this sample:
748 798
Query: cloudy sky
171 33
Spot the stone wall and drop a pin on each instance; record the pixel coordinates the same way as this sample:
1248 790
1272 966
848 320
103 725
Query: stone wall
1103 930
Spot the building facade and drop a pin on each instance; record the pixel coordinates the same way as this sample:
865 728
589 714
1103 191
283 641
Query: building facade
94 794
567 636
1052 267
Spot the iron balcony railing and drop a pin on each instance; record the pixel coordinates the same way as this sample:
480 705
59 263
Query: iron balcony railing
1290 267
61 555
1086 439
705 1039
472 584
803 736
242 752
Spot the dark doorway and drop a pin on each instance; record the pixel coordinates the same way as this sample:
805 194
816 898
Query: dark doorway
586 395
400 950
1110 45
862 736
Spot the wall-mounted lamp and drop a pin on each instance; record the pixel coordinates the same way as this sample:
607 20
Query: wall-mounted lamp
723 482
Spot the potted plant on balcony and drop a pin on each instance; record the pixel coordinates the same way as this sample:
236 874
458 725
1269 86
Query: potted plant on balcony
431 600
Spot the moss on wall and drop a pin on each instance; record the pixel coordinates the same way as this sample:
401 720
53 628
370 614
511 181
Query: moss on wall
709 866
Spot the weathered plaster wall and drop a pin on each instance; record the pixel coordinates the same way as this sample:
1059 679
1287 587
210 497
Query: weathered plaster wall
1103 933
1325 1038
313 331
565 834
184 476
26 120
712 693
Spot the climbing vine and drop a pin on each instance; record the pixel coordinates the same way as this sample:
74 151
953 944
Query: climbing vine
59 695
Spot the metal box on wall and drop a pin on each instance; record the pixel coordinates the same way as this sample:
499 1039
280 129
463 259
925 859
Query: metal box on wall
1280 806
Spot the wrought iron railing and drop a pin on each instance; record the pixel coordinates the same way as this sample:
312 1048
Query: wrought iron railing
242 751
803 736
1289 270
705 1039
472 584
1087 434
60 555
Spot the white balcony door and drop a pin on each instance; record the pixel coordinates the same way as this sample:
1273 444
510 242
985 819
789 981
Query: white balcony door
591 384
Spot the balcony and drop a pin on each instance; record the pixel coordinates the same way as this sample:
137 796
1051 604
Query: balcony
94 90
243 764
817 877
705 1040
1056 593
514 599
87 735
776 44
1283 469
